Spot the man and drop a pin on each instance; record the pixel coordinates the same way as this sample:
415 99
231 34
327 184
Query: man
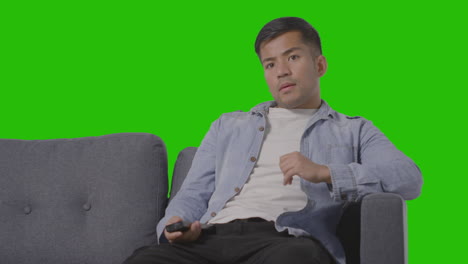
270 184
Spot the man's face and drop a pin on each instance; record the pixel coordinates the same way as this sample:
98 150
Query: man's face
292 72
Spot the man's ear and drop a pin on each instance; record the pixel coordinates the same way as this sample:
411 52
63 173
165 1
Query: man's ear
321 64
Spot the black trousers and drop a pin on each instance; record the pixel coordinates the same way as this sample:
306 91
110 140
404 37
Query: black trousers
239 242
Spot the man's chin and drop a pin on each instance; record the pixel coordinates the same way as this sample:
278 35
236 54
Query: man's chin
292 102
289 104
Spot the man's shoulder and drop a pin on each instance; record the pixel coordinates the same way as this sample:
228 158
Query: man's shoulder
358 124
234 115
240 114
344 117
341 118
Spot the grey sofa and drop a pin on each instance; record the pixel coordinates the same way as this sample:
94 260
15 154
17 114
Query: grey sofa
94 200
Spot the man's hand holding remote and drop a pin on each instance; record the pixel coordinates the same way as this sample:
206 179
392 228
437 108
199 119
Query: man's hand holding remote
190 235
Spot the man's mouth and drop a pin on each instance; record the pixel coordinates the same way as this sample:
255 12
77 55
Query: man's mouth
286 86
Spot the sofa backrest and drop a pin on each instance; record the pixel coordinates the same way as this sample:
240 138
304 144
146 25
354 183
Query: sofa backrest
181 168
90 200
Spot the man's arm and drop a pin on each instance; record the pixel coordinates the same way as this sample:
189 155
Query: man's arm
382 168
191 201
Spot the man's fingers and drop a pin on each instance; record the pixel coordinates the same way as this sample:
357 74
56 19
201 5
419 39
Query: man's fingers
195 230
284 160
288 175
173 236
287 179
285 166
284 157
190 235
195 226
288 170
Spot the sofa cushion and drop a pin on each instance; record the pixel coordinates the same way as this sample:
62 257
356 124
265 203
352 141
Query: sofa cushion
87 200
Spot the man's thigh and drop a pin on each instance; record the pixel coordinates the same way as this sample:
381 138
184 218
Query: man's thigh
290 249
248 243
165 254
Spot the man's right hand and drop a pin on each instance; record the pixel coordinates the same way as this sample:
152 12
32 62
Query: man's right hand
182 237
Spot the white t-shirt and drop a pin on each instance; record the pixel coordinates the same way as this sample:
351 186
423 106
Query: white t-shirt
264 195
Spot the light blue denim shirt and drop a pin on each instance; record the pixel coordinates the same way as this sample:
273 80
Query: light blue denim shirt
361 160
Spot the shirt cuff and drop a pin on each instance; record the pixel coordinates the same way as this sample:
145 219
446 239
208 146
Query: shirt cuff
343 187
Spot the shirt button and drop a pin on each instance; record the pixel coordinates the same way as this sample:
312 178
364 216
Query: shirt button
253 159
261 128
236 189
213 214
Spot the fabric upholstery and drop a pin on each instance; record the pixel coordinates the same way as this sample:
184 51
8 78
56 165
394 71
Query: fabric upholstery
384 229
181 168
87 200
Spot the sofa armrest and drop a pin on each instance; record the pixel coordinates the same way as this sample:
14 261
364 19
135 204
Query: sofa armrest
383 229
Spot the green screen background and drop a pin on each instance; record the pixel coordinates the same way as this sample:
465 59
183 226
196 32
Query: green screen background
77 69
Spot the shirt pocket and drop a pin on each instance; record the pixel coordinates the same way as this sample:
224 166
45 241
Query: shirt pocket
341 153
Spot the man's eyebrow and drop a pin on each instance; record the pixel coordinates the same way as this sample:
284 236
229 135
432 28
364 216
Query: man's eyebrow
286 52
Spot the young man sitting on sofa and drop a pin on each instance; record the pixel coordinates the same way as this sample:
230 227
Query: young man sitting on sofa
269 185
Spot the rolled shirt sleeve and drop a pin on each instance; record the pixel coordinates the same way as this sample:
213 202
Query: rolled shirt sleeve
380 168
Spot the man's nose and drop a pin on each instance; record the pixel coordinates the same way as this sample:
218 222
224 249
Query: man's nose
282 70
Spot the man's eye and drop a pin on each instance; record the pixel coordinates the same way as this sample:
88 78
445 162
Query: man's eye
293 57
269 65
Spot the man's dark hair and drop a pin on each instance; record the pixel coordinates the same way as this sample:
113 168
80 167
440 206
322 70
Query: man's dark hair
282 25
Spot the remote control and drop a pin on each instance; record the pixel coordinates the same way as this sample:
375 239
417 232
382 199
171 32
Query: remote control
178 226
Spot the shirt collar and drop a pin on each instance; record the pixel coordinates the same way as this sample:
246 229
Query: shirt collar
324 111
